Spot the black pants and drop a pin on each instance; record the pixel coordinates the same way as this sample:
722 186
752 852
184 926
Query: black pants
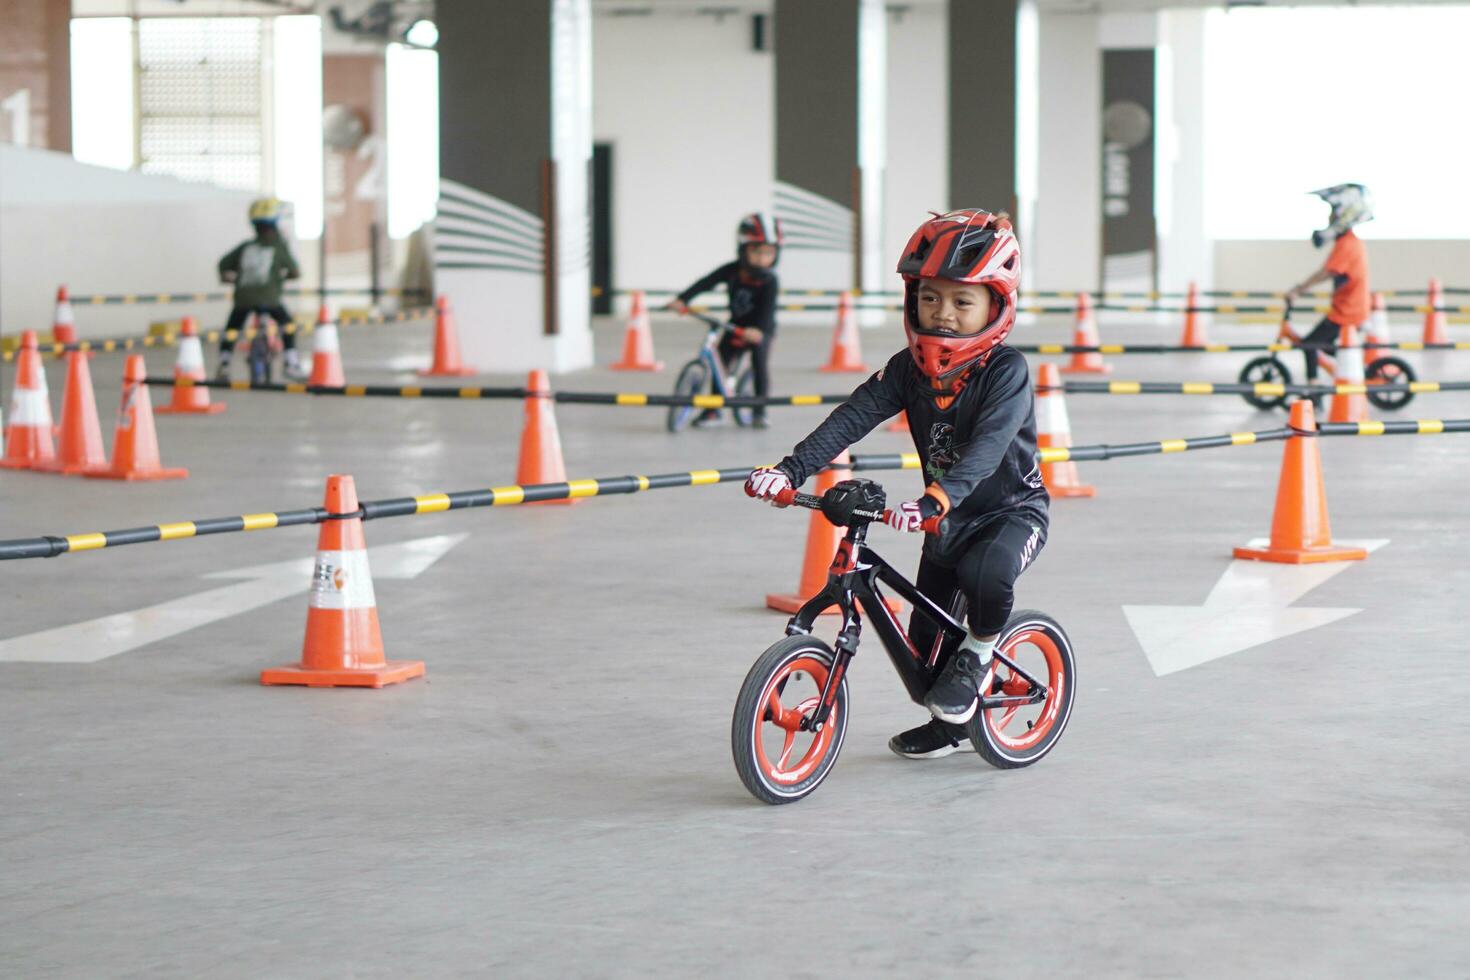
986 573
240 314
760 373
1322 338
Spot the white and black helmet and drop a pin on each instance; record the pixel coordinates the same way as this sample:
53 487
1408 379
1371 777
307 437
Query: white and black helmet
1351 205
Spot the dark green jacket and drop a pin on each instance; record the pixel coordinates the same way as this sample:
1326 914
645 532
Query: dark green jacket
261 269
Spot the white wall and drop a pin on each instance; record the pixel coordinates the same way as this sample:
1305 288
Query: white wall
1392 264
687 105
918 128
1066 241
99 230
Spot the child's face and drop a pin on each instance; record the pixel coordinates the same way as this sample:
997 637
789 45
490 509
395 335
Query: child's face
760 256
958 307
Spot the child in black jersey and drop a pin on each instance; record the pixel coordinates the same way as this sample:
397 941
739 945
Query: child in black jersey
752 287
970 410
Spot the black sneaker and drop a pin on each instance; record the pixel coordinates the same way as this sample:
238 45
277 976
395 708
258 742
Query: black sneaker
954 696
933 740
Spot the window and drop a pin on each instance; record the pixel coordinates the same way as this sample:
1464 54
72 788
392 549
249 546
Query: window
1297 99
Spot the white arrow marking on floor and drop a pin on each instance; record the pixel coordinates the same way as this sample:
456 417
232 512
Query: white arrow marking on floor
98 639
1247 607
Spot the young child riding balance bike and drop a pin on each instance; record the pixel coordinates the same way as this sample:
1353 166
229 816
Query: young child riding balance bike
970 409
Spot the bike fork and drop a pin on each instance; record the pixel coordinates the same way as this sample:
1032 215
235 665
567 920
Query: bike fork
846 649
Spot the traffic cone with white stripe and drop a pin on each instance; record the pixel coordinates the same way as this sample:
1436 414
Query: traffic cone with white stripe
822 539
847 352
135 441
63 323
28 438
1054 431
1378 332
1194 328
344 644
1434 318
190 399
541 459
1085 335
638 339
1351 407
81 431
447 363
326 353
1300 531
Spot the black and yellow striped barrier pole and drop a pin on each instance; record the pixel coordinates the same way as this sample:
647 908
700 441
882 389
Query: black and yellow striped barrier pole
645 399
1277 347
50 546
1416 427
217 296
170 338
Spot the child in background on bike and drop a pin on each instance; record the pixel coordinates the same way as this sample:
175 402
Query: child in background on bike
752 287
970 409
259 268
1346 266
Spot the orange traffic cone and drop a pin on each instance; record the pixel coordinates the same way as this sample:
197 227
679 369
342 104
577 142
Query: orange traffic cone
1054 431
822 539
135 443
1353 406
1300 532
1434 318
638 339
1085 335
343 646
81 432
900 424
447 362
1378 332
190 399
541 459
326 353
63 323
1194 328
28 438
847 353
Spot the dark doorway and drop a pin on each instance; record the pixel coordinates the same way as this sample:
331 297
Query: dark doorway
602 228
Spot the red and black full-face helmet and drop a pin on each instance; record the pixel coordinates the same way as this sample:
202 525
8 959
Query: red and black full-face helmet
759 228
971 246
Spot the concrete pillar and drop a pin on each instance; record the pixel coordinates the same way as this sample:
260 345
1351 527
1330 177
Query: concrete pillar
35 73
512 237
993 110
1067 230
831 141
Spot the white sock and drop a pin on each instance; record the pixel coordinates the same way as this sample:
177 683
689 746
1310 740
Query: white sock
984 649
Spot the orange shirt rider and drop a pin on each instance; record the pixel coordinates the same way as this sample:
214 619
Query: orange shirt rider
1348 265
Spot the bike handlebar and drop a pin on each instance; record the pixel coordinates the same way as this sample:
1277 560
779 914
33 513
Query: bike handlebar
790 497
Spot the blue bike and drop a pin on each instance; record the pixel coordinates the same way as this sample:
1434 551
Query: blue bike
707 370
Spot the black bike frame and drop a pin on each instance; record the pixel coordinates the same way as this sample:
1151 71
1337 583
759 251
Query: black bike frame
852 579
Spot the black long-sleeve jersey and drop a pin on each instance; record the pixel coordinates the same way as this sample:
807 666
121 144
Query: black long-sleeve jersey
978 453
752 300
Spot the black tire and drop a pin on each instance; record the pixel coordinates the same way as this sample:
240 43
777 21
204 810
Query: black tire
1265 370
991 730
745 388
781 664
692 380
1389 371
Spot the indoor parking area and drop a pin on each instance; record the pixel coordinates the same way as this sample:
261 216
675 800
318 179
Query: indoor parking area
726 488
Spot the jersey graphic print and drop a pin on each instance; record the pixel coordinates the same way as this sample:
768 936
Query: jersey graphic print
256 262
942 452
742 302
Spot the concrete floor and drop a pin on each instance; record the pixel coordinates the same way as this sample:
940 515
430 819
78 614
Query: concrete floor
557 798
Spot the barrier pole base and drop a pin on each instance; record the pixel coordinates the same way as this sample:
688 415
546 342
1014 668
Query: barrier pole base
213 408
1080 490
392 672
457 373
159 474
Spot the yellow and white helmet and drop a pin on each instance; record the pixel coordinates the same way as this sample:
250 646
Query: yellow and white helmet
265 209
1351 205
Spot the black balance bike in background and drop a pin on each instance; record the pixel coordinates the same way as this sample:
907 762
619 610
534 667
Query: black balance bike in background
792 712
1270 369
695 376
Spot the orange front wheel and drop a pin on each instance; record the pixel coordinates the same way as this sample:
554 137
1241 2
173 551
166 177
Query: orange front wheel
779 753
